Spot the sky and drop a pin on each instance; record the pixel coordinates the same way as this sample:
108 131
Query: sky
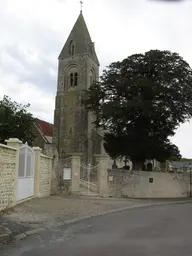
33 33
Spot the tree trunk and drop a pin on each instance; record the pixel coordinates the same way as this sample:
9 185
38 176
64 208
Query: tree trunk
138 166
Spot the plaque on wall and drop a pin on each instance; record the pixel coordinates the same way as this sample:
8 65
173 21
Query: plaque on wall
67 173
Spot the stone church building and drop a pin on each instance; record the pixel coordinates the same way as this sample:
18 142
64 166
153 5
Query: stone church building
78 67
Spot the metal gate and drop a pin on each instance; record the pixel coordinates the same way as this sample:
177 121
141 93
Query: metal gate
89 179
25 186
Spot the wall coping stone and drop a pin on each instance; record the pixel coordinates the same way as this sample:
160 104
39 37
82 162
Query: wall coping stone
13 140
48 157
102 156
37 149
8 147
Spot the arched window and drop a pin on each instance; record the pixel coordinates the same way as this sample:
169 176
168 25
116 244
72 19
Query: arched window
73 79
72 76
92 76
76 79
72 48
91 79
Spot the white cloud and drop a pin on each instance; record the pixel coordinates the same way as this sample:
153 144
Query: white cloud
34 31
42 102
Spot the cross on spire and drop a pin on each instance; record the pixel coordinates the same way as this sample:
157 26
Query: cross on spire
81 3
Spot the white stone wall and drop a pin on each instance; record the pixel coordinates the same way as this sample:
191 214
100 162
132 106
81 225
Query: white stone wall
45 173
8 176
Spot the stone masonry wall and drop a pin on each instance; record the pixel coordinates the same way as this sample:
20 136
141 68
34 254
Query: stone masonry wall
45 173
8 176
140 184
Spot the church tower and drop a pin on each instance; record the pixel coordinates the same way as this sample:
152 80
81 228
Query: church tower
78 68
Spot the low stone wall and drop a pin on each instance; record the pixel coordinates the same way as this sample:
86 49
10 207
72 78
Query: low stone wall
8 176
140 184
45 175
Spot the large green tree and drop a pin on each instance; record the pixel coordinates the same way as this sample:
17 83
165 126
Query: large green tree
15 121
141 101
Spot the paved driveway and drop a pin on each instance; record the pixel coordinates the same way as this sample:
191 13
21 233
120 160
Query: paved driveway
47 212
151 231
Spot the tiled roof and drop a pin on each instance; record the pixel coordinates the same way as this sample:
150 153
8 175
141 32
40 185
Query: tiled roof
45 128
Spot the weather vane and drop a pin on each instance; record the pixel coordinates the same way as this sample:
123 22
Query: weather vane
81 2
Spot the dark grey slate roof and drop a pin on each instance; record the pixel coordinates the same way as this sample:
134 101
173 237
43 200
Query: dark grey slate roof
81 37
178 165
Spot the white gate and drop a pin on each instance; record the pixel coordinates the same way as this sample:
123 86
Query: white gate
25 187
89 179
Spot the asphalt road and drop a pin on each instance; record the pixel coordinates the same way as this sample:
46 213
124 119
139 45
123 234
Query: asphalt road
150 231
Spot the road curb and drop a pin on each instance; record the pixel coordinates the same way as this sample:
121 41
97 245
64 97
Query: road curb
6 236
76 220
20 236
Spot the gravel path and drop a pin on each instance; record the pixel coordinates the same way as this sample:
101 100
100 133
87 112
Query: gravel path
45 212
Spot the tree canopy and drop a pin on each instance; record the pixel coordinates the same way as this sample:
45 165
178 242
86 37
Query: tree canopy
15 121
140 102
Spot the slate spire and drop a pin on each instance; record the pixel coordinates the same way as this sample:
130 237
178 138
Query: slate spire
81 39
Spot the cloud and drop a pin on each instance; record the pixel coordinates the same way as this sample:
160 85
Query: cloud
34 31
